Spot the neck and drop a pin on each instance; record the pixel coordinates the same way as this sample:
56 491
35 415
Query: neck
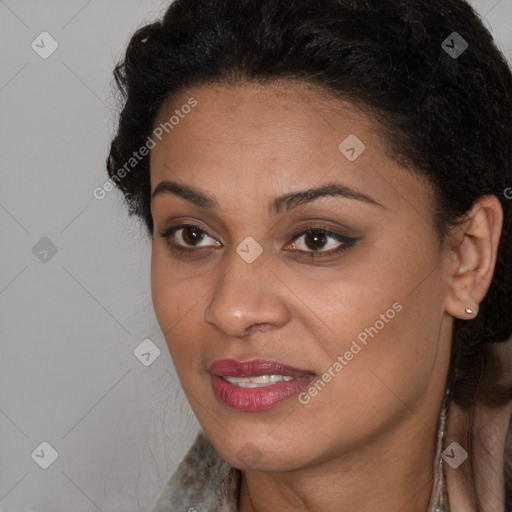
387 474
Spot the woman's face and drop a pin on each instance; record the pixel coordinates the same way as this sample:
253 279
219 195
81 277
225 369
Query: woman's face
356 307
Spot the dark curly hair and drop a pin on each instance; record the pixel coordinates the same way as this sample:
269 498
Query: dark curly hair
447 117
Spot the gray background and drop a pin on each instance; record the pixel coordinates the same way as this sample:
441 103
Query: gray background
70 322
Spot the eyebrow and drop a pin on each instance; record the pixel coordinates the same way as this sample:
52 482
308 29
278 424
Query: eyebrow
282 203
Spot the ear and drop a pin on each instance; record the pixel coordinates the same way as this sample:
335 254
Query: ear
473 251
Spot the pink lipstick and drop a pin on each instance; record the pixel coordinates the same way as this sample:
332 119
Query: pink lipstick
258 384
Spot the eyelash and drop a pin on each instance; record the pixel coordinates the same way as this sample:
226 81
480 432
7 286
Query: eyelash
347 242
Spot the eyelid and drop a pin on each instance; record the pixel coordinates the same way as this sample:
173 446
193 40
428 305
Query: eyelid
345 243
331 234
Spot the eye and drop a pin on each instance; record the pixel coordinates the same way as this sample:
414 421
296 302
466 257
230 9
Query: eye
192 235
317 239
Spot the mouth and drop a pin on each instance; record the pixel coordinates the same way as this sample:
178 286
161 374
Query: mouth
258 384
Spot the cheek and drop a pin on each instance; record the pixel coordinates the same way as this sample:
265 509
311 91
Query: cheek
161 290
397 353
173 298
178 304
385 315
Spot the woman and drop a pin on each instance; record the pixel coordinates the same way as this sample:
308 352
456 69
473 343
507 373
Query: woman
324 184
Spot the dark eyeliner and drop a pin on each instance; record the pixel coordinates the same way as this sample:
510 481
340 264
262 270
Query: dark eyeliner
179 249
347 242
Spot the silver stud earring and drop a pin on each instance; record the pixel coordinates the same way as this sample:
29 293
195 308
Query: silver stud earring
469 311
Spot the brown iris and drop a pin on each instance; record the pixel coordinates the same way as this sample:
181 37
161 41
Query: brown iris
318 237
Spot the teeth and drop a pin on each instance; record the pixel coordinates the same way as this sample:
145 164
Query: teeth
257 382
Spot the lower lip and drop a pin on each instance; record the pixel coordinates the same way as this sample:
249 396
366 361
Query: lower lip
257 399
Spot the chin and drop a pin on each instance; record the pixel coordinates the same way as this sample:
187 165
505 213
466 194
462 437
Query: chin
253 454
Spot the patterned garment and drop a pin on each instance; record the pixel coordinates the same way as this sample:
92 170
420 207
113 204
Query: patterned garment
204 482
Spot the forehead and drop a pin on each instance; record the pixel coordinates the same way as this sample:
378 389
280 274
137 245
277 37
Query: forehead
261 109
262 139
280 126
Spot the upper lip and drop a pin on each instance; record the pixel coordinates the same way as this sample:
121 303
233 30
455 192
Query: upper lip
254 368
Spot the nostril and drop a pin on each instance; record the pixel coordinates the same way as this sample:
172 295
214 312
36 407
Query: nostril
256 329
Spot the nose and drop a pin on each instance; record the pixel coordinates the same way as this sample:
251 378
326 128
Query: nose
248 300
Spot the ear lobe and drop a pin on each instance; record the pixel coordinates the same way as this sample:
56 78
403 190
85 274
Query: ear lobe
474 257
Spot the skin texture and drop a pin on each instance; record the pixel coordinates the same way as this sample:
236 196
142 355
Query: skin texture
366 441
